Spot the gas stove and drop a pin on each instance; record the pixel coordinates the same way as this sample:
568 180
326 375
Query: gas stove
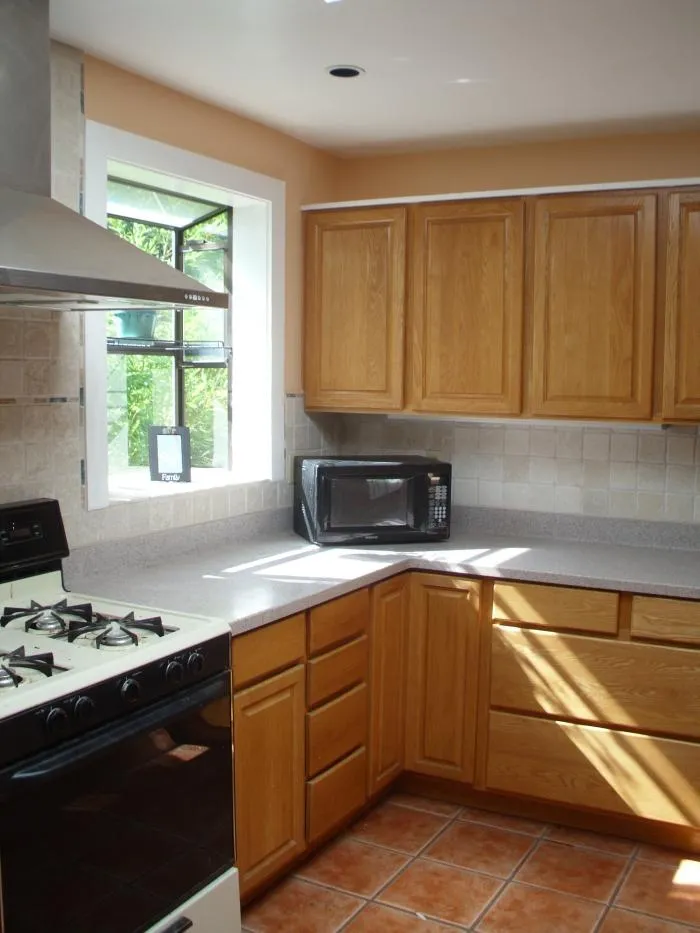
53 642
115 751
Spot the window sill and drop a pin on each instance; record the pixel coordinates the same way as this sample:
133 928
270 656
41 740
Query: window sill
135 484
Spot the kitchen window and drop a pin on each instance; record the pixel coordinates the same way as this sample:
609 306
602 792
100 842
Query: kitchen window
254 436
170 367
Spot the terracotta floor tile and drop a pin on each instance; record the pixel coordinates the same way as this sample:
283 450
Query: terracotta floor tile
354 867
298 907
573 871
398 828
660 890
664 856
521 909
503 821
580 837
439 807
377 919
481 848
441 892
624 921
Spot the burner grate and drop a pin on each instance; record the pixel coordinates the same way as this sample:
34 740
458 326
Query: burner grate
50 619
114 631
10 660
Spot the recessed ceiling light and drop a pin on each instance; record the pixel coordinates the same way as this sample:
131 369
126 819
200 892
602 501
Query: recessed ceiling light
345 71
332 1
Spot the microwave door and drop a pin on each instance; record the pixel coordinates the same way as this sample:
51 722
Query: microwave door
380 505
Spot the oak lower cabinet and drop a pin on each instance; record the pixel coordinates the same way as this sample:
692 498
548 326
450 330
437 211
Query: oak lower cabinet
354 309
337 712
465 345
681 383
268 739
388 643
586 766
442 670
607 721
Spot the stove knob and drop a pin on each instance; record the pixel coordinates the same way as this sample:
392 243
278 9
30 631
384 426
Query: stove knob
195 663
84 709
174 672
131 690
57 721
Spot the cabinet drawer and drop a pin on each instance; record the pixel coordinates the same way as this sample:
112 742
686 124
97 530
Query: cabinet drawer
336 729
643 687
337 671
268 650
556 607
338 621
336 794
587 766
666 619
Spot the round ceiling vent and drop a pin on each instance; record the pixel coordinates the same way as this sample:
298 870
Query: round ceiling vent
345 71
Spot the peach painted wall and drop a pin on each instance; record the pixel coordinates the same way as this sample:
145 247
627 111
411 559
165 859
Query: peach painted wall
132 103
561 162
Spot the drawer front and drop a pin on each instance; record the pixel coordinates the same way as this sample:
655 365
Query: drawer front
585 766
558 607
336 794
338 621
268 650
337 671
336 729
643 687
666 619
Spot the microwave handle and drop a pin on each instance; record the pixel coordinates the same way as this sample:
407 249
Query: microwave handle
71 754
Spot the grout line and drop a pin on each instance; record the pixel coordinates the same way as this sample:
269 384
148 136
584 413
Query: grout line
681 923
613 894
536 842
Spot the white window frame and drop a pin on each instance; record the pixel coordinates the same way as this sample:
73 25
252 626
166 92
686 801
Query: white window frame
258 290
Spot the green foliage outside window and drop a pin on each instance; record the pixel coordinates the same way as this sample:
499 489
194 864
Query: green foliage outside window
143 385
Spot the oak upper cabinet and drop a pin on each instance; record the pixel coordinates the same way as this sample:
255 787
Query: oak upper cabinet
269 776
466 307
593 305
681 385
388 640
354 325
441 685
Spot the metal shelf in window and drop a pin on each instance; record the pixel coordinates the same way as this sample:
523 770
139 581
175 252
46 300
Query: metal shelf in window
193 352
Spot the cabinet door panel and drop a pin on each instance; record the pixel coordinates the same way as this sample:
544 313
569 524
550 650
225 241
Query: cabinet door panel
682 348
336 729
666 619
585 766
268 724
354 318
387 682
466 307
648 688
593 305
441 682
337 793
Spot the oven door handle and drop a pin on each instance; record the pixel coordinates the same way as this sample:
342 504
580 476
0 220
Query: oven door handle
75 752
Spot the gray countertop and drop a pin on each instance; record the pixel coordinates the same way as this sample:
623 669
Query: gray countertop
261 579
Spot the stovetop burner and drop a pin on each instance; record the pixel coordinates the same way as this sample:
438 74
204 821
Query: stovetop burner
50 619
42 664
114 631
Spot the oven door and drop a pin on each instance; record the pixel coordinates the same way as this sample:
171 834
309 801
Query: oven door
363 505
109 833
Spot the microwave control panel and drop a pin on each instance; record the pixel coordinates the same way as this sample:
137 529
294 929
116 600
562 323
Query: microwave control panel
437 503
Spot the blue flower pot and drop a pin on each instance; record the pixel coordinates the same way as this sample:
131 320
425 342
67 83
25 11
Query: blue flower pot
139 324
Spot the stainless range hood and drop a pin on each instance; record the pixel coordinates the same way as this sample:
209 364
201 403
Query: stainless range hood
51 257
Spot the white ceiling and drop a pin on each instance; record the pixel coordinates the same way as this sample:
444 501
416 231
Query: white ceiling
438 72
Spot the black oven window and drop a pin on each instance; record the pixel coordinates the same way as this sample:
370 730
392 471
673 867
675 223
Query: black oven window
370 501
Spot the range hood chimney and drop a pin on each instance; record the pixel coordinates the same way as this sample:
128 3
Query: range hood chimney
52 258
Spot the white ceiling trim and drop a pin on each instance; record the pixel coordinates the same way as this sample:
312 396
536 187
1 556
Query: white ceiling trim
508 193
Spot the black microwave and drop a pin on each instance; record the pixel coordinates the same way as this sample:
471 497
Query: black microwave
371 500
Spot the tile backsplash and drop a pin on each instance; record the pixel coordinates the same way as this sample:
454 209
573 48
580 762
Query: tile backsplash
648 473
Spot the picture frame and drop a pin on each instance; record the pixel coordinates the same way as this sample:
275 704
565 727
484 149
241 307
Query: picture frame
169 454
